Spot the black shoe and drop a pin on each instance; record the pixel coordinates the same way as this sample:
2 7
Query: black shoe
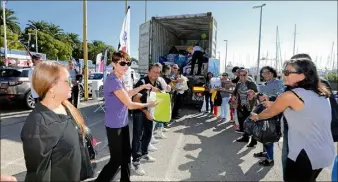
266 162
260 154
243 139
251 144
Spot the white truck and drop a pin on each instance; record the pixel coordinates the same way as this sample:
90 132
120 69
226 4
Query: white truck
158 35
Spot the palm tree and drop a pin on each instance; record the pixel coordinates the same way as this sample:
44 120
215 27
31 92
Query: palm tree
11 21
39 25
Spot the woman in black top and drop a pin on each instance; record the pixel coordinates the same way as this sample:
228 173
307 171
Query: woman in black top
207 94
51 142
166 73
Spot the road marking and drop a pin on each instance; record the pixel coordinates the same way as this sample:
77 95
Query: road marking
93 124
12 162
174 155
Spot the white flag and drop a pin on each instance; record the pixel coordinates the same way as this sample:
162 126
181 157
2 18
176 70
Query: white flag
124 45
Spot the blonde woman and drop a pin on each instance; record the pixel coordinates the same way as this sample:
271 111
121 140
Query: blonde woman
51 133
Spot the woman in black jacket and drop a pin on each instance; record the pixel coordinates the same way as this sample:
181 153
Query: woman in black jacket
52 132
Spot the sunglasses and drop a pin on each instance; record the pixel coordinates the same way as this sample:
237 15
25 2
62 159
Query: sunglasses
242 75
123 63
265 72
287 72
175 68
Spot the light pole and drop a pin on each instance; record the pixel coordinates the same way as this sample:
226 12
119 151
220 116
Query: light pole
5 33
226 55
85 50
145 11
259 40
36 38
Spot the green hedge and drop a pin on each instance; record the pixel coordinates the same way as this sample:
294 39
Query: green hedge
332 77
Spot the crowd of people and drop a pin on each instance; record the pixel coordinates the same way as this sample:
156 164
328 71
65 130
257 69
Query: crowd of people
55 136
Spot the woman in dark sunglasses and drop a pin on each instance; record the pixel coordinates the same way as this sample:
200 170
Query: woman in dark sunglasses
307 110
117 102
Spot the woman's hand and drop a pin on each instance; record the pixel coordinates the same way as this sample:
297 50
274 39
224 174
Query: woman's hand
147 86
152 103
254 116
263 98
267 104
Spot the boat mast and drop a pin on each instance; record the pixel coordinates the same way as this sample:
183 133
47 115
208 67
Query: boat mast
294 40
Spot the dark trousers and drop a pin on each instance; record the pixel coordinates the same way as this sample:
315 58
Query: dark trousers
177 105
207 96
242 113
75 96
301 169
142 131
197 55
120 153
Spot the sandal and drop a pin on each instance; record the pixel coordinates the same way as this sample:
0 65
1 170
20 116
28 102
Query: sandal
260 154
266 162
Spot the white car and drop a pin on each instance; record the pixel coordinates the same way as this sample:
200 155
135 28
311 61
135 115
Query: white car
91 77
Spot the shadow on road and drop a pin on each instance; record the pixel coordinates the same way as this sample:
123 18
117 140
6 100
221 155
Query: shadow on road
219 151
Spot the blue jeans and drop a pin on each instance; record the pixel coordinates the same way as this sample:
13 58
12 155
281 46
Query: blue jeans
225 107
285 149
268 148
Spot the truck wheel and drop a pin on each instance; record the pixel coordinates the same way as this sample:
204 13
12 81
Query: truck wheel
29 100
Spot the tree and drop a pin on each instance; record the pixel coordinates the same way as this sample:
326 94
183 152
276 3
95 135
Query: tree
95 48
12 40
11 21
53 48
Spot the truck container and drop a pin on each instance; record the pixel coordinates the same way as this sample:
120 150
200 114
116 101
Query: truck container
158 35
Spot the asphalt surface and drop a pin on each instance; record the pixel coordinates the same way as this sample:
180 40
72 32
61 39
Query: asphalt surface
198 148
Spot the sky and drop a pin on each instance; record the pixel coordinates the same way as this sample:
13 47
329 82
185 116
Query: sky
238 23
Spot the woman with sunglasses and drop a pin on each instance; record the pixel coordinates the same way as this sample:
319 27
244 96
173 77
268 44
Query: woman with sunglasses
307 111
117 102
50 135
269 90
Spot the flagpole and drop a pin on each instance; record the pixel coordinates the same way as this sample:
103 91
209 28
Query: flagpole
5 33
126 6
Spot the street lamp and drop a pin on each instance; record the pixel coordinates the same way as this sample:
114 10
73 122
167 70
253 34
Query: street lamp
36 38
226 54
259 39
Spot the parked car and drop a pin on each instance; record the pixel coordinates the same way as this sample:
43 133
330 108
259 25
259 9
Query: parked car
15 85
93 76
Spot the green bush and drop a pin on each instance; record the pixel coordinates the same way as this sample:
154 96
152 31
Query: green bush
332 77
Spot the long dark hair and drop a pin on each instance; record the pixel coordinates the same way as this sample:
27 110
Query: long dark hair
304 64
271 69
207 79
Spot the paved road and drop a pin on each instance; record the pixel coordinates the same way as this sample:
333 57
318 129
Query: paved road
198 148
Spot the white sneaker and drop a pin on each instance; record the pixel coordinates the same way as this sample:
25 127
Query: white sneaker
139 170
153 140
152 148
165 129
148 158
161 135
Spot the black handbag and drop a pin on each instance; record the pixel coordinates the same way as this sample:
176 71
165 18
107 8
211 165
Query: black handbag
218 99
265 131
87 168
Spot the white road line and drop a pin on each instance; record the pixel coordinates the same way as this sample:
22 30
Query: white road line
174 155
93 124
12 162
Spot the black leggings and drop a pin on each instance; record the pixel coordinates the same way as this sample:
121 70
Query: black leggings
301 169
207 96
120 154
